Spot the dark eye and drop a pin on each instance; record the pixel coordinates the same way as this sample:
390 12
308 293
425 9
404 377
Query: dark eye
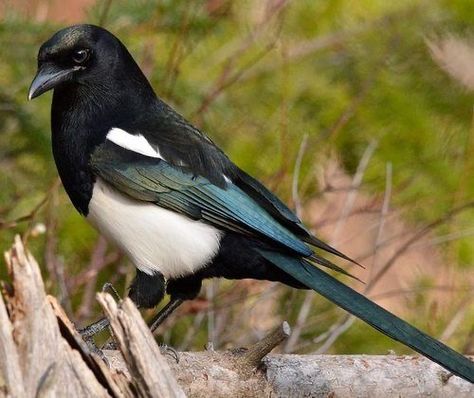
80 56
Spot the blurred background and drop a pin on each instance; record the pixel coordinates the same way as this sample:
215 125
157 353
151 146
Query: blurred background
358 114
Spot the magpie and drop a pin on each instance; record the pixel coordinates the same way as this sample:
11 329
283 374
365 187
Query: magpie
172 200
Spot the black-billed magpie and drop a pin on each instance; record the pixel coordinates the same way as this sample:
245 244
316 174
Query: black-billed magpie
171 199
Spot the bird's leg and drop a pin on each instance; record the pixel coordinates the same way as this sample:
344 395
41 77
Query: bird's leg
181 289
91 330
146 291
158 320
94 328
165 313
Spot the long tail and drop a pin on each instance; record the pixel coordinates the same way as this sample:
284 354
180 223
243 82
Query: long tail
374 315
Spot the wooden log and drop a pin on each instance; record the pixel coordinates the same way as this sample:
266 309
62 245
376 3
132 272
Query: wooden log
38 361
42 355
149 371
216 374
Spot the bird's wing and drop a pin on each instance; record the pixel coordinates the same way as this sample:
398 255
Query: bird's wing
183 144
155 180
281 212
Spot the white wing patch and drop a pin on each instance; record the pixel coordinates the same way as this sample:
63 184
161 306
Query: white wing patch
136 143
139 144
155 239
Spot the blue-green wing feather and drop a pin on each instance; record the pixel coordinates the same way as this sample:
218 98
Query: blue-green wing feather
175 188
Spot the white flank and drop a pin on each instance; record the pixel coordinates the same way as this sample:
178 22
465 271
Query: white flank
136 143
155 239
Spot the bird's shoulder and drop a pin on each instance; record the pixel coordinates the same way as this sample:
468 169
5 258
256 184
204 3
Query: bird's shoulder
181 144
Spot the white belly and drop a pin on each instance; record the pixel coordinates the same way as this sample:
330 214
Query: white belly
155 239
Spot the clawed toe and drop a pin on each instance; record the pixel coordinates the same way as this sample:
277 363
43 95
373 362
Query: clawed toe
93 349
167 350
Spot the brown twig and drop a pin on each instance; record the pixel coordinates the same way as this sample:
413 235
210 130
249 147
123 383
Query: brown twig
54 264
351 109
418 235
227 79
254 355
456 319
26 218
383 215
346 322
82 278
352 195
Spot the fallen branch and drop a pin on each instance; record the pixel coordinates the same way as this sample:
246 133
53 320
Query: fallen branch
42 355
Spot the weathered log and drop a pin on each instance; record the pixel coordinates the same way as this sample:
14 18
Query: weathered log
36 360
42 355
149 371
216 374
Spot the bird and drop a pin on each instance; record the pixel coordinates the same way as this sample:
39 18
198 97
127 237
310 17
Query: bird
172 200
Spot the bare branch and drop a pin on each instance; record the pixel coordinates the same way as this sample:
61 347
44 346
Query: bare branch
254 355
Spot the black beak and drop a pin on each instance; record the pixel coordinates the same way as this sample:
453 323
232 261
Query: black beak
48 77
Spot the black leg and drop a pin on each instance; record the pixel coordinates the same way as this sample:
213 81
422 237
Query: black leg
186 288
164 313
91 330
146 291
94 328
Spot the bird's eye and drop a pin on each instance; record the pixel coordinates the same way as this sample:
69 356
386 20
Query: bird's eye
80 56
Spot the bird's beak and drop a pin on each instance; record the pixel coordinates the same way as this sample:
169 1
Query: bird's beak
48 77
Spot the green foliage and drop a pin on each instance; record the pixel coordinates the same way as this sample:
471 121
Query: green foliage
296 71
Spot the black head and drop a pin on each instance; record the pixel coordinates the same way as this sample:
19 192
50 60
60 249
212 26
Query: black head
83 55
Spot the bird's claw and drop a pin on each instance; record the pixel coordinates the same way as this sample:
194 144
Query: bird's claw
93 349
110 345
167 350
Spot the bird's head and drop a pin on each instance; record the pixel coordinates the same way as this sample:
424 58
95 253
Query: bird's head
80 54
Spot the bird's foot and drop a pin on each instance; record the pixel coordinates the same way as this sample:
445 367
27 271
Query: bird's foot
89 332
92 348
170 351
111 344
95 328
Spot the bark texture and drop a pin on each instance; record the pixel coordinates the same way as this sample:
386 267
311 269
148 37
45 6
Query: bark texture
42 355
